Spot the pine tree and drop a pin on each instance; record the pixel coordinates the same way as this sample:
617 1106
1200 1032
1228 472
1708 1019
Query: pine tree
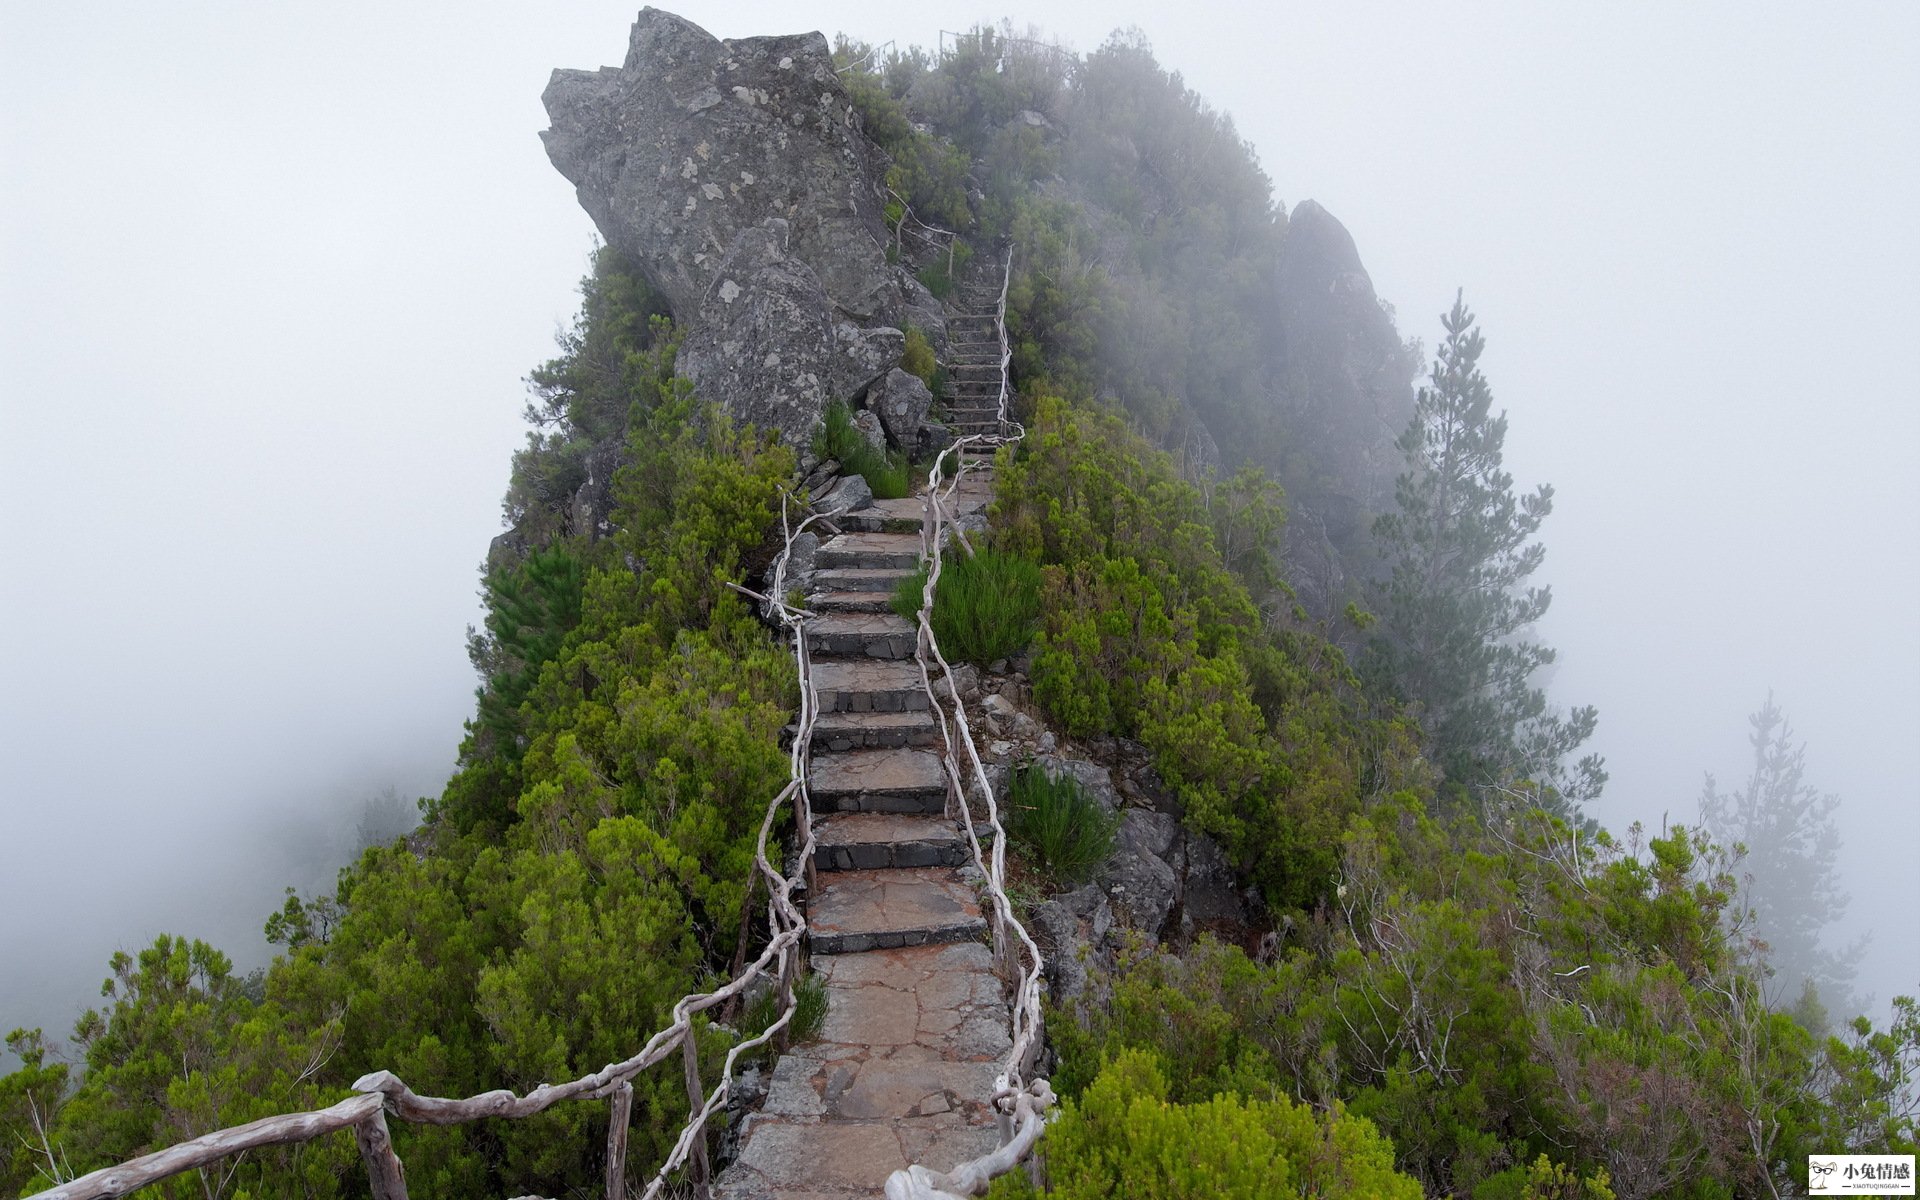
1791 867
1456 607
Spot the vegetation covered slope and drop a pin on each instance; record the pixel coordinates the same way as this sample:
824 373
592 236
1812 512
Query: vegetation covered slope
585 867
1462 994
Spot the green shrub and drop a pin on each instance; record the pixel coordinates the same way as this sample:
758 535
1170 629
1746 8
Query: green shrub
986 608
1055 821
837 438
917 358
1124 1138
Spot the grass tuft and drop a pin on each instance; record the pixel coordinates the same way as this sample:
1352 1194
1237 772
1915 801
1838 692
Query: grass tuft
809 1013
886 474
1057 823
987 606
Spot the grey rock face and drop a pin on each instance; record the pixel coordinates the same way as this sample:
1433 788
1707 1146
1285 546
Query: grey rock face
735 176
767 346
934 437
902 401
798 576
693 140
1144 831
1346 393
820 476
593 502
870 428
1072 931
850 493
1092 776
1143 889
1210 891
863 355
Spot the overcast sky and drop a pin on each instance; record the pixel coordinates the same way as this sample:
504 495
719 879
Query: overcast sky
272 275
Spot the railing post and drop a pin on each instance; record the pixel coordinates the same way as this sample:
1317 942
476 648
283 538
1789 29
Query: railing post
385 1175
617 1142
698 1171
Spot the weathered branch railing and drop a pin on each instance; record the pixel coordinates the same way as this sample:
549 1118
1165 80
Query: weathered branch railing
872 53
928 234
1020 1101
381 1092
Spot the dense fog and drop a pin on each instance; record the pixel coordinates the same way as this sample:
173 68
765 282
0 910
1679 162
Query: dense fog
272 277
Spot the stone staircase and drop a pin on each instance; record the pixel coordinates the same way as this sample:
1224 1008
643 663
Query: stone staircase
972 395
916 1026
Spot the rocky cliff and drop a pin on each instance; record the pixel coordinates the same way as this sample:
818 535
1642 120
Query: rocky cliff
736 176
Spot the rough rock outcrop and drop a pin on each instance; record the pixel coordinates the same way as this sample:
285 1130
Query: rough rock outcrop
850 492
767 345
694 139
1072 929
869 427
593 500
682 156
901 400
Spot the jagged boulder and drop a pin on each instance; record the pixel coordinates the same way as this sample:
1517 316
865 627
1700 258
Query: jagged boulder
1096 779
684 153
850 492
901 400
1072 929
870 428
1210 892
593 500
693 139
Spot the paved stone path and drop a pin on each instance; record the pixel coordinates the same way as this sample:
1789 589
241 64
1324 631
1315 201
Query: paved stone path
916 1026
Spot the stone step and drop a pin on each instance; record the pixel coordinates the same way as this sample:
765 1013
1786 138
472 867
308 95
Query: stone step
885 516
861 579
841 731
873 635
783 1158
862 602
852 911
905 779
835 1090
874 841
869 685
871 551
912 1036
